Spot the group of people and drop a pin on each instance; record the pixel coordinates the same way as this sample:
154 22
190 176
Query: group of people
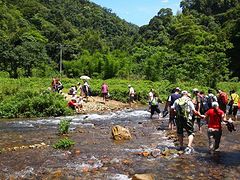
76 102
186 109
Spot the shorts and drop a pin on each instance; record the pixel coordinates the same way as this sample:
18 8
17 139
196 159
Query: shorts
154 108
184 123
235 110
214 138
131 98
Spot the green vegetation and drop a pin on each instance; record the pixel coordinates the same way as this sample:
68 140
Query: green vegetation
196 48
63 127
64 143
201 43
29 97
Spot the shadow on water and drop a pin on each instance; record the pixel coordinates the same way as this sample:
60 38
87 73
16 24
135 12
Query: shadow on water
227 159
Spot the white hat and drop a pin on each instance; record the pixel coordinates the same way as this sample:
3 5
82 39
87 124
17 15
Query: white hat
215 104
184 92
177 88
129 85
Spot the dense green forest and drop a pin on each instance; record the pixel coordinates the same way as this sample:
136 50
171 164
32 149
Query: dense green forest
201 44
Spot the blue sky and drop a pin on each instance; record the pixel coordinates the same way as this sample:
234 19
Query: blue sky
138 12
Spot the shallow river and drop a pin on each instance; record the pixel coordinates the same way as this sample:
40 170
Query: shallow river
97 156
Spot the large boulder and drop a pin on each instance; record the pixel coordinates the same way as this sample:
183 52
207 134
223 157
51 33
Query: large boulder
143 177
120 133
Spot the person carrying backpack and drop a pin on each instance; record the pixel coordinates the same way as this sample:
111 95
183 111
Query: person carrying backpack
222 100
171 99
185 109
209 99
155 105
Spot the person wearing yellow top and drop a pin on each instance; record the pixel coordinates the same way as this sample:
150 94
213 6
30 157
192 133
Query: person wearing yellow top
235 99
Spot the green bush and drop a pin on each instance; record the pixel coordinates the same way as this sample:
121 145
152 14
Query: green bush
64 143
63 127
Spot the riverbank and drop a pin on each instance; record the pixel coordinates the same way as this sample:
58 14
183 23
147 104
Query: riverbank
95 104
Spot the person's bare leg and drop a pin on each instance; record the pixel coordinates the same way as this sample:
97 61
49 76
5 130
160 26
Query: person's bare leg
190 140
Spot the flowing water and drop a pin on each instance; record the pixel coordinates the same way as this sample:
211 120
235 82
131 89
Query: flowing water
97 156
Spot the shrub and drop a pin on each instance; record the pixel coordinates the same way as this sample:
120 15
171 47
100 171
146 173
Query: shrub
63 127
64 143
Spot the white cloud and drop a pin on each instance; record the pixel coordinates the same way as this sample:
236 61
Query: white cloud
164 1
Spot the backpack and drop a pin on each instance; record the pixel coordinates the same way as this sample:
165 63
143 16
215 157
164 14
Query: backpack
183 108
210 100
154 101
223 98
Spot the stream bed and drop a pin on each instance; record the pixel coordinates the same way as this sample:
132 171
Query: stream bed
97 156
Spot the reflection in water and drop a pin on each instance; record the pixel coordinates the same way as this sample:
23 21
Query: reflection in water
96 156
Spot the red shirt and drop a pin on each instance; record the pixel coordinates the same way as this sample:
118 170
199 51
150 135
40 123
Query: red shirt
215 116
71 104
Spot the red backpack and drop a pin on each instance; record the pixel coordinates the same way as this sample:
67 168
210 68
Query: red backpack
223 97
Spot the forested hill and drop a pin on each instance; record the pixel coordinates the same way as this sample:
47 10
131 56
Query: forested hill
199 44
42 25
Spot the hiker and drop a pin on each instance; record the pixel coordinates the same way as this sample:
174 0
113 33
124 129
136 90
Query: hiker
104 90
150 98
72 91
185 109
155 105
80 89
214 117
171 99
197 101
222 100
86 90
234 99
131 94
73 104
58 85
209 99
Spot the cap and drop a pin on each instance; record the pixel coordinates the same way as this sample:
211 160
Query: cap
215 104
129 85
177 88
184 93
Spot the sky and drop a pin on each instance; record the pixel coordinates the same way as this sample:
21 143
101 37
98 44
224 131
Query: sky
138 12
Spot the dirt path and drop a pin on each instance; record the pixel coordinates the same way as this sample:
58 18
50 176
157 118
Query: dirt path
96 104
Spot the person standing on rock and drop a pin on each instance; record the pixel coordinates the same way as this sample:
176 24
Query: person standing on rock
104 91
185 109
